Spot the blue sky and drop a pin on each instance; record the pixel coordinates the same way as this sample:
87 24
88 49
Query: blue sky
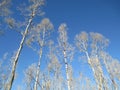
102 16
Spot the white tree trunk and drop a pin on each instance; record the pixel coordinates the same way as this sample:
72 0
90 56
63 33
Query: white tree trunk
101 83
11 80
39 61
38 71
94 72
111 77
66 67
100 75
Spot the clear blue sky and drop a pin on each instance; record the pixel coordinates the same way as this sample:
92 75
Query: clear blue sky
102 16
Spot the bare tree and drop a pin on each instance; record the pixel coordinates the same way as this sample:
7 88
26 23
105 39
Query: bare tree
29 78
39 35
54 69
91 44
98 43
66 49
85 82
112 66
36 4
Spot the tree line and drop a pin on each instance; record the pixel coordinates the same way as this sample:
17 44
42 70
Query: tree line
58 73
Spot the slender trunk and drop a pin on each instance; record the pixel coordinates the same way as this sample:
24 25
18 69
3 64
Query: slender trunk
12 77
38 71
38 67
112 79
99 74
93 68
66 67
94 72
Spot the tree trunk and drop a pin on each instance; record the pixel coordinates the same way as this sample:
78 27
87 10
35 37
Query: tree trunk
94 72
39 61
38 71
100 76
111 77
12 77
66 67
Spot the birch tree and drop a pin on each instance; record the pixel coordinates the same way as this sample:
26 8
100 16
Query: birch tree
73 82
54 69
32 9
91 44
39 35
98 43
66 49
29 78
112 66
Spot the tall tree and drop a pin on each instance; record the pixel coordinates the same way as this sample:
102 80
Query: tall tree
91 44
112 66
54 69
66 49
39 35
29 78
33 9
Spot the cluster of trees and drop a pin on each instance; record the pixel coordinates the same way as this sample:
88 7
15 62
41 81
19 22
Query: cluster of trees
58 73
